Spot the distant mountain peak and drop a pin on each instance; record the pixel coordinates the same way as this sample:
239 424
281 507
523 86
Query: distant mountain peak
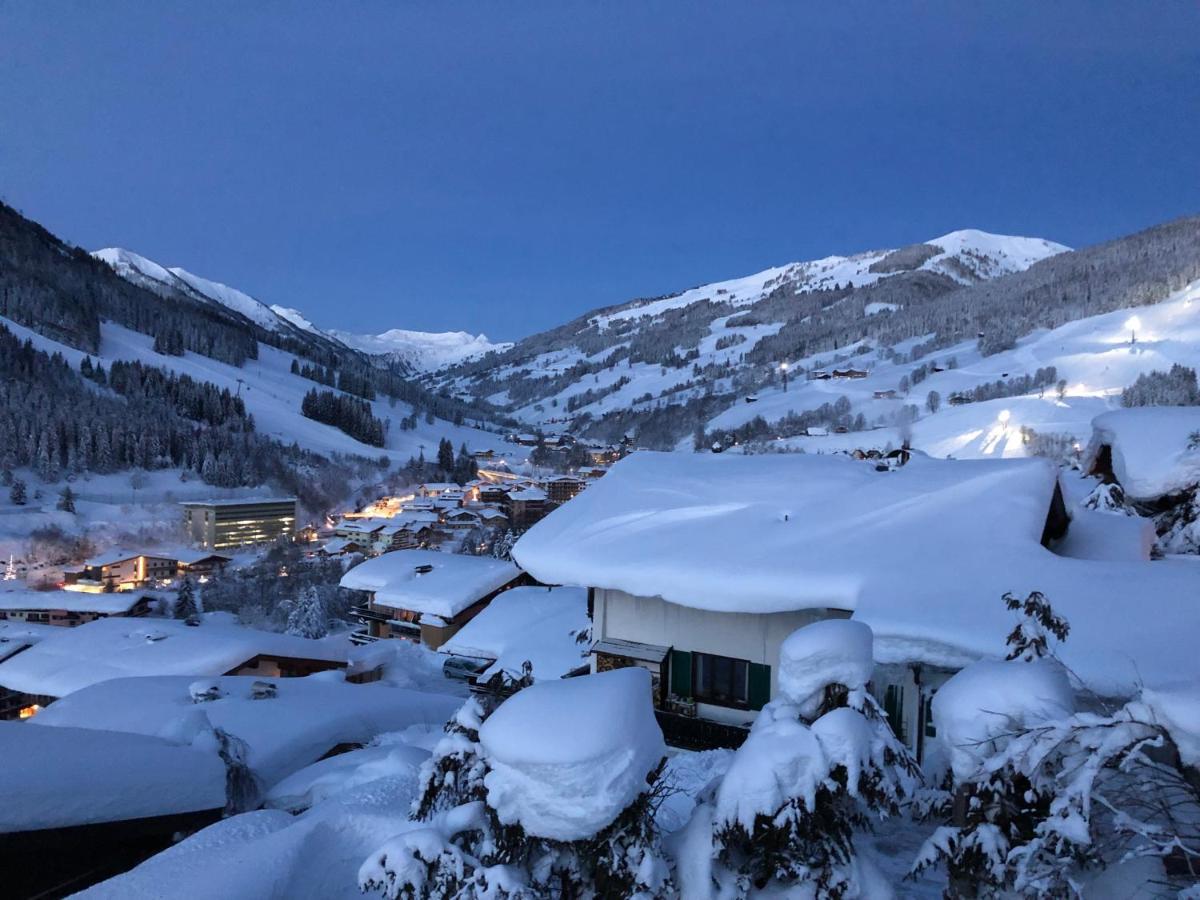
422 351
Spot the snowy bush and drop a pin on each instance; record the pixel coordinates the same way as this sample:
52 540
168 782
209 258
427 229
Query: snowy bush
1045 796
819 764
552 793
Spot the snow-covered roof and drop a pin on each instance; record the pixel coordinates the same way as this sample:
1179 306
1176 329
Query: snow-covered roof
68 601
59 777
115 556
16 636
120 647
1150 452
191 557
529 493
537 624
238 501
453 582
567 756
296 727
922 554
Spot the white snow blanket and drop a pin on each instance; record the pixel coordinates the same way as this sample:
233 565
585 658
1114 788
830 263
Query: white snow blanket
991 699
921 554
305 719
568 756
67 601
836 651
58 777
534 624
453 582
119 647
1150 452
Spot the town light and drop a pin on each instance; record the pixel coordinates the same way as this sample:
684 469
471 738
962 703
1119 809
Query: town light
783 367
1004 416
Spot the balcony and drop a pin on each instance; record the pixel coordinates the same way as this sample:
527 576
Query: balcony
361 637
364 613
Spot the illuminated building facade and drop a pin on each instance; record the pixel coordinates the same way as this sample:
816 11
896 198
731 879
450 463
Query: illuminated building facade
226 524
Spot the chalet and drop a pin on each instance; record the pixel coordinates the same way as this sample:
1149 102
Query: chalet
496 494
200 563
436 488
958 399
462 520
525 506
818 375
365 531
69 608
526 440
117 647
342 547
849 373
889 394
1149 451
424 595
562 488
486 453
121 571
698 567
534 626
490 517
593 471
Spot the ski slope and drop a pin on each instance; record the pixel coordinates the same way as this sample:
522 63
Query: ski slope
1095 356
272 394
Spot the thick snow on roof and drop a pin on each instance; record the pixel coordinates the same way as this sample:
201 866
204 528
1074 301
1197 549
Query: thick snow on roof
453 584
567 756
922 554
16 636
527 623
307 717
772 533
58 777
120 647
1150 453
118 555
70 601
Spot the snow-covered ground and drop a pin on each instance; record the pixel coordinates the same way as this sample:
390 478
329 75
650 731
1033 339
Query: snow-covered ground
272 394
1094 355
423 351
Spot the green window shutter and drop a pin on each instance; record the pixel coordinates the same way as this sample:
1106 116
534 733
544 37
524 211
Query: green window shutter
681 673
760 685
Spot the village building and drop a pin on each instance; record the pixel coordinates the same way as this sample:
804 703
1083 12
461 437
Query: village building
436 488
200 564
342 547
700 565
227 524
68 608
424 595
561 488
525 506
117 647
120 570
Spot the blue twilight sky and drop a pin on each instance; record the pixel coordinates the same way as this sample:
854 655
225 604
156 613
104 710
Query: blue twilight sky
505 166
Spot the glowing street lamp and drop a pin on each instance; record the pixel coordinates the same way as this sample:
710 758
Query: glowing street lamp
1004 416
783 367
1133 324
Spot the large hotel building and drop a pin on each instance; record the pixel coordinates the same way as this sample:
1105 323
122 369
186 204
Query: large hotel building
225 524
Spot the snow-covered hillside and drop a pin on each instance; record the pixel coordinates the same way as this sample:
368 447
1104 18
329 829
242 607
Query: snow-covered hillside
648 353
160 279
272 394
966 256
420 351
1094 356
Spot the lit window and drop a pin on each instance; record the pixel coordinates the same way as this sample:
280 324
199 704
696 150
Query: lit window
28 712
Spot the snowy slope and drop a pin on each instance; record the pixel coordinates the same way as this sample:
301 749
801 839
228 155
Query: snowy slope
420 350
1094 355
272 394
147 273
966 256
958 258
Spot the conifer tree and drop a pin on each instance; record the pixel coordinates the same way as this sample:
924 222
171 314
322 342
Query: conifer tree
185 601
66 500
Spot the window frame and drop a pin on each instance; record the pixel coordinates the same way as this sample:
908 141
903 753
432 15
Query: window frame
712 699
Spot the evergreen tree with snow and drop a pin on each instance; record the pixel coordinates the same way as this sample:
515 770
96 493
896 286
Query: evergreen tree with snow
185 600
17 492
308 615
66 500
821 763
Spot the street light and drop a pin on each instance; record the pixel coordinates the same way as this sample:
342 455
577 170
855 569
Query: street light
1004 416
783 369
1133 324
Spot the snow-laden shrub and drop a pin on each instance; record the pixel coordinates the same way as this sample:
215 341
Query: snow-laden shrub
1046 796
552 793
819 764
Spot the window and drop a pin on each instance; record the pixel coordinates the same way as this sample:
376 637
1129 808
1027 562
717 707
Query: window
720 680
893 707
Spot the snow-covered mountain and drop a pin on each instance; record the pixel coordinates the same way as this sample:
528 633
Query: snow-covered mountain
413 351
160 279
420 351
719 339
